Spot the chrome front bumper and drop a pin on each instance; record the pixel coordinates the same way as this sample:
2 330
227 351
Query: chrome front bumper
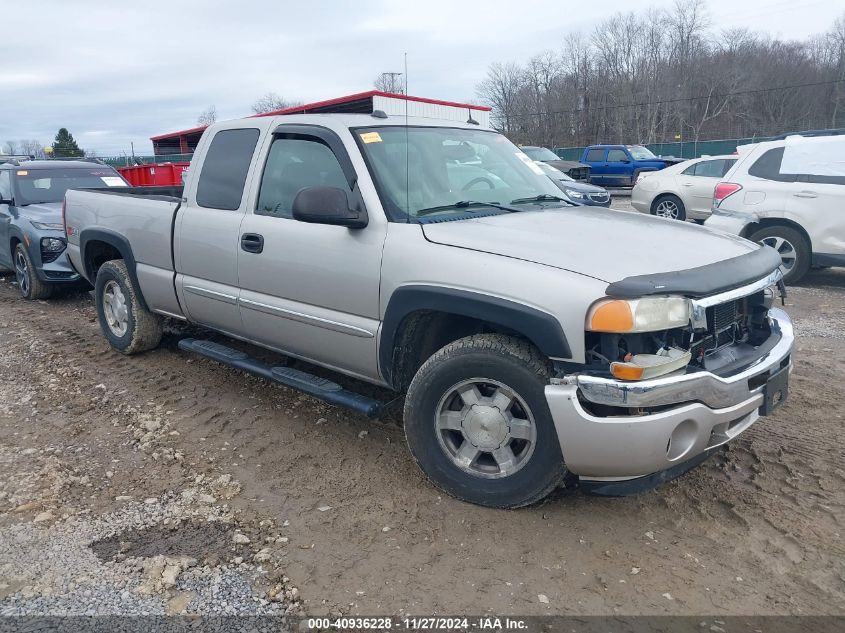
710 410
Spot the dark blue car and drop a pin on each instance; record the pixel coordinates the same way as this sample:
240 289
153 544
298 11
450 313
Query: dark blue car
575 191
32 238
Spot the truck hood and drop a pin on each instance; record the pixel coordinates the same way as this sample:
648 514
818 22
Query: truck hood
47 212
601 243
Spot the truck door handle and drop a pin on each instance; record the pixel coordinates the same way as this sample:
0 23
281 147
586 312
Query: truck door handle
806 194
252 242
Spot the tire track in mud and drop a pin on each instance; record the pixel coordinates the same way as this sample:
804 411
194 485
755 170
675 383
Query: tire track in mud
769 510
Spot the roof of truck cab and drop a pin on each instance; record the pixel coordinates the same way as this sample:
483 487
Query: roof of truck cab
351 121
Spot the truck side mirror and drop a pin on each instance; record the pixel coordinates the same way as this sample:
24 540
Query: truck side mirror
327 205
625 161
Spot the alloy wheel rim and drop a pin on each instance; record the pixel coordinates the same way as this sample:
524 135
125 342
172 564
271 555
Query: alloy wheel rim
22 272
115 309
667 209
786 250
485 428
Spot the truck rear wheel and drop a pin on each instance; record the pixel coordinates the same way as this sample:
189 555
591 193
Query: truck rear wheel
477 422
127 325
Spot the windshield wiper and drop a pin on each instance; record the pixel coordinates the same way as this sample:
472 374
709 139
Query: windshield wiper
543 197
464 204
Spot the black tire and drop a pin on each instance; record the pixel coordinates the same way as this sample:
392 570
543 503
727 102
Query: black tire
669 199
29 284
514 364
143 329
787 241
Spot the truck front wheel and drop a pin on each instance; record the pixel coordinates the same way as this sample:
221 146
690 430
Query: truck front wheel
477 422
127 325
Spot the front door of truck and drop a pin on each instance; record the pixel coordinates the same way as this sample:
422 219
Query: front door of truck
310 290
207 236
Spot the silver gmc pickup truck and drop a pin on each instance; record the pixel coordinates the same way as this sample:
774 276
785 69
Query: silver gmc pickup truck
535 341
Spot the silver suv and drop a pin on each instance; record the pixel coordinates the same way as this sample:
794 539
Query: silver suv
790 195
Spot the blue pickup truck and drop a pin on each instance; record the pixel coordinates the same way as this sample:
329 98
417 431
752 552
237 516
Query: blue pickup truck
621 165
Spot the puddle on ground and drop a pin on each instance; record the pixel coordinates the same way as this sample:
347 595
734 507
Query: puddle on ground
203 541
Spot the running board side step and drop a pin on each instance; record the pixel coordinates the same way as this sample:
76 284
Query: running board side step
320 388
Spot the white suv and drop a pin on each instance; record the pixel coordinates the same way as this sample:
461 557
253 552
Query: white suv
789 194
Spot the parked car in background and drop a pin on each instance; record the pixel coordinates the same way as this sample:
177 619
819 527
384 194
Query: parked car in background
621 165
32 239
575 191
683 191
534 340
790 195
572 168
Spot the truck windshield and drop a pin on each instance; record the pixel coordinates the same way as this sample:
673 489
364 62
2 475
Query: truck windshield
435 170
37 186
638 152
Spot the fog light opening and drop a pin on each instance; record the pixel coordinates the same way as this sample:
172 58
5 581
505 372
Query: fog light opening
681 440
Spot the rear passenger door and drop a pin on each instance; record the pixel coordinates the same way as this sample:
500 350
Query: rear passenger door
596 158
207 240
311 290
619 167
698 181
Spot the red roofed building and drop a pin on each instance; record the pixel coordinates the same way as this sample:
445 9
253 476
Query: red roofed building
185 141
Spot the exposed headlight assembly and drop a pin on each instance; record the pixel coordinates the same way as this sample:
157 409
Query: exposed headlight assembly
649 314
52 245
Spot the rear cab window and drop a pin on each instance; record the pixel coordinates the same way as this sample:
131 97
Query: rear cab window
225 167
595 155
616 155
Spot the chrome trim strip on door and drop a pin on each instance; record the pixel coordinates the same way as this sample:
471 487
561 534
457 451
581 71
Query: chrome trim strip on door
306 318
211 294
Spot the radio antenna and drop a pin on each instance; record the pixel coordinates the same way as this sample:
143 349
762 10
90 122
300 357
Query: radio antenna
407 150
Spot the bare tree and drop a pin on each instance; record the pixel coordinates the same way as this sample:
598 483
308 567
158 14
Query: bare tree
390 82
662 75
32 147
208 116
10 147
270 102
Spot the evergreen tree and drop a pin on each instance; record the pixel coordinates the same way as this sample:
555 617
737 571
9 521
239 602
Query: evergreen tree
65 145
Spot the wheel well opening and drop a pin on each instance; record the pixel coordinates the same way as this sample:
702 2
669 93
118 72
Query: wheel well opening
423 332
764 223
97 254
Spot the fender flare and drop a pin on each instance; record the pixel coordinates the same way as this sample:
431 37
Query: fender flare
541 328
121 244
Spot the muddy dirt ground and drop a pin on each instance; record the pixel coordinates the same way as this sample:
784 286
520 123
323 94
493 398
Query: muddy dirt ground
168 483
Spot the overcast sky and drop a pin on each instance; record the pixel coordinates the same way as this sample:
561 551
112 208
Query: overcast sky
114 72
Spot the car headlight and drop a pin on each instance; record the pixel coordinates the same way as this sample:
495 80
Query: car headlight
575 195
43 226
649 314
52 245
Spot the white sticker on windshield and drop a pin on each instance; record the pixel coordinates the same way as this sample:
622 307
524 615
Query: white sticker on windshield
525 158
113 181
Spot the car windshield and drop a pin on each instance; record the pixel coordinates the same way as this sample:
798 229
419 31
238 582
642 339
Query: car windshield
640 153
540 153
553 172
36 186
435 171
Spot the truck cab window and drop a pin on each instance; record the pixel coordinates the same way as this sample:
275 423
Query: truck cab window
595 155
221 183
5 185
616 156
295 163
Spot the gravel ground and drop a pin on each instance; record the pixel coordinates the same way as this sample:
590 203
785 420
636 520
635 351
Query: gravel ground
163 483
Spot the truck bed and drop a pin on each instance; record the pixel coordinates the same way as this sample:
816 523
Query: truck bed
137 218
